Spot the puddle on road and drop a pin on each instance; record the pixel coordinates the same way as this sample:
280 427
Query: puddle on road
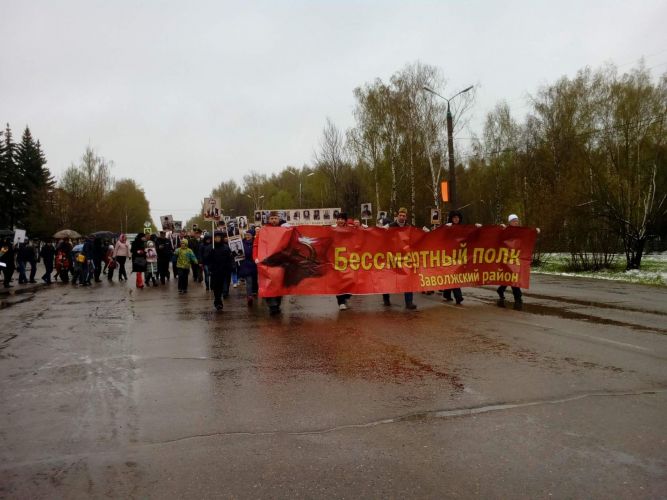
544 310
600 305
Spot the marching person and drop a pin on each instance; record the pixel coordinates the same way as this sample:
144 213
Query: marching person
194 244
248 268
513 221
64 260
274 303
87 268
7 258
401 221
138 251
151 263
184 258
121 252
453 218
341 221
48 253
219 263
204 252
164 254
99 250
109 262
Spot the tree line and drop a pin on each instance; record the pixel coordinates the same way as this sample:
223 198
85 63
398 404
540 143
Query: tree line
86 198
586 163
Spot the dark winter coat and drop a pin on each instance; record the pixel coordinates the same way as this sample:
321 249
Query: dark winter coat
247 266
164 249
138 250
220 260
26 253
47 254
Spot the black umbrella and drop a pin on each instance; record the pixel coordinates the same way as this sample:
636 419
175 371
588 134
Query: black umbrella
105 235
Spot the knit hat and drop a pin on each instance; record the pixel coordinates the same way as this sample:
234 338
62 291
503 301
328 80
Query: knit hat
512 217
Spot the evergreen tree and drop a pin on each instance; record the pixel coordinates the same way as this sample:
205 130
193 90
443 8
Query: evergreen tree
9 179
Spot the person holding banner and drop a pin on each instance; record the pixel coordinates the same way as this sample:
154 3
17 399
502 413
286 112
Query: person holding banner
454 217
341 221
274 302
512 220
220 262
401 221
248 268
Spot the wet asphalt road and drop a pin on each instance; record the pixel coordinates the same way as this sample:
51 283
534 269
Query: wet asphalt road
115 392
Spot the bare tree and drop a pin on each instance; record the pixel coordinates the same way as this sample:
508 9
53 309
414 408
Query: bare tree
330 158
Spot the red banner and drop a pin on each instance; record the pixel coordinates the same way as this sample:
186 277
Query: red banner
311 260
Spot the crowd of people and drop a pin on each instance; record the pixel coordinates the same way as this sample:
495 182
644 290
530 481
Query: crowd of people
155 258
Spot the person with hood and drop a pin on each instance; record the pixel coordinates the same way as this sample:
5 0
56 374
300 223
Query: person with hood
184 258
453 218
79 263
219 262
401 221
47 254
138 251
248 268
121 252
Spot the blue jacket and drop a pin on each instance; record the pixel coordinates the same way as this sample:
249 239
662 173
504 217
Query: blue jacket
247 266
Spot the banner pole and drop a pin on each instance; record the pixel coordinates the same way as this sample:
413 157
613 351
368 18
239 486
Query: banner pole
213 232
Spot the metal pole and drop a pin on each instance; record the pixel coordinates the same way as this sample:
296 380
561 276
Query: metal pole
450 153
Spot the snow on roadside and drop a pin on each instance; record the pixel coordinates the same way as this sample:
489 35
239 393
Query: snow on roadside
632 276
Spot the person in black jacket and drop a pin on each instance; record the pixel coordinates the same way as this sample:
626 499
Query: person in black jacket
204 251
138 251
164 253
454 217
220 263
48 253
99 250
7 258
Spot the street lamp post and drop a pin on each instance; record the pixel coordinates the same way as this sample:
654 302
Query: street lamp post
256 200
300 184
450 143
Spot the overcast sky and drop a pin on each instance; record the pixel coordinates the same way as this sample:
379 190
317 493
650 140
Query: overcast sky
184 95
